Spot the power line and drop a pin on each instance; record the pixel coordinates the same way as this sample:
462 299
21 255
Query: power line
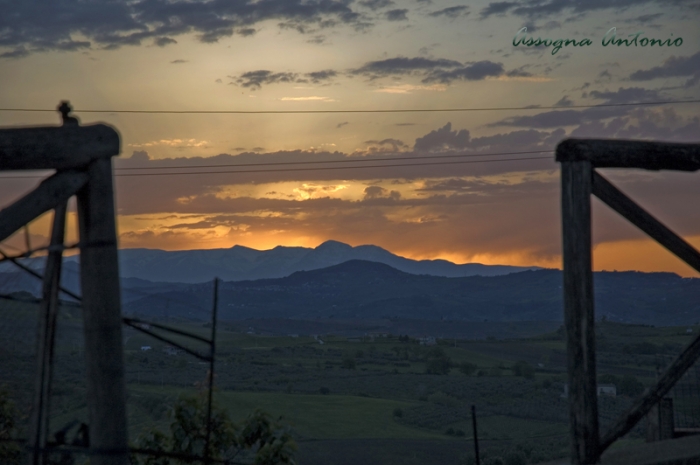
284 170
408 110
356 160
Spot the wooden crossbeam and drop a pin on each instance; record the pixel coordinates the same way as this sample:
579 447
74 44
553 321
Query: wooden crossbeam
59 148
52 192
602 153
615 199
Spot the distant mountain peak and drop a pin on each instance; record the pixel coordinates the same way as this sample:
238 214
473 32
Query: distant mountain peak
331 244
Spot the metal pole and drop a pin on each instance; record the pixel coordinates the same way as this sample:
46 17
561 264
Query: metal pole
476 436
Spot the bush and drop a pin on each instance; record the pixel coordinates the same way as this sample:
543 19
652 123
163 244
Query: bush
262 440
437 362
348 363
630 386
398 413
467 368
324 391
524 369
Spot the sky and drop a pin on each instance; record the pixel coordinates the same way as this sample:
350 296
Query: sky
463 199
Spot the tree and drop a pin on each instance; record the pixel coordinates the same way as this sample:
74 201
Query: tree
259 439
437 362
467 368
524 369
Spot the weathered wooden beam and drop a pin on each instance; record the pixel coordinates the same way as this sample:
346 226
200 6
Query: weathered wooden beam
59 148
48 313
643 404
104 357
615 199
602 153
578 311
52 192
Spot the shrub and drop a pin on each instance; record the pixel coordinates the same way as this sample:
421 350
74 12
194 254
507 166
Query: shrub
398 412
467 368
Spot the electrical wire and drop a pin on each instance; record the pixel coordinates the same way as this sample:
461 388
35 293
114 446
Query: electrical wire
285 170
356 160
408 110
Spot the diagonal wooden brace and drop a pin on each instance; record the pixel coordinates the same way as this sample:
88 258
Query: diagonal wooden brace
639 217
52 192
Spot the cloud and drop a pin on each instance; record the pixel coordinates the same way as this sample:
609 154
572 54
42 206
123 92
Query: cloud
376 4
396 15
471 72
174 143
308 98
389 144
443 138
340 125
497 8
110 25
320 76
543 8
255 79
176 62
688 66
378 192
451 12
403 65
409 88
562 118
565 101
163 41
627 95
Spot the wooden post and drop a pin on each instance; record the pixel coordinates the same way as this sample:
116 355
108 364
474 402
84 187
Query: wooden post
46 335
576 179
476 436
104 358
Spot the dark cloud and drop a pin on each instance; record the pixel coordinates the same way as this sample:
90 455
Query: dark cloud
163 41
33 26
19 52
543 8
319 76
396 15
644 19
403 65
246 31
451 12
688 66
627 95
376 4
177 62
255 79
378 192
565 101
442 138
497 8
561 118
392 144
340 125
471 72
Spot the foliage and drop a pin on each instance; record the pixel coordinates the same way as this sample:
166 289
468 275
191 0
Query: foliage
524 369
9 452
258 439
630 386
437 362
467 368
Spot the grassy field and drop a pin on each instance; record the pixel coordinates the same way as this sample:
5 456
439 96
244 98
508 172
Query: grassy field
373 401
